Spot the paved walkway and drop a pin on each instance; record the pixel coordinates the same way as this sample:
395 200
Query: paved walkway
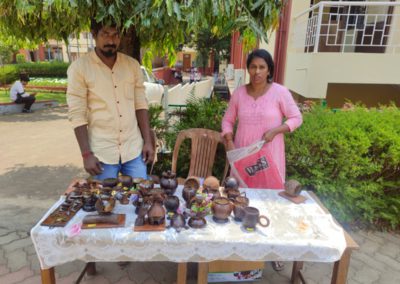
39 156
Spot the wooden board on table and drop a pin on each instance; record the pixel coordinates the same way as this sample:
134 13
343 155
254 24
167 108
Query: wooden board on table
149 228
121 223
297 199
59 218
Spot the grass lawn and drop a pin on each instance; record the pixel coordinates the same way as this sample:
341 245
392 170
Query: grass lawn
41 96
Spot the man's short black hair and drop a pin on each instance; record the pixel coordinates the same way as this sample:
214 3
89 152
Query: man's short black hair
24 77
95 26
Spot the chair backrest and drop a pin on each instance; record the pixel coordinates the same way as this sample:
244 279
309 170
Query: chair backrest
176 96
203 150
203 89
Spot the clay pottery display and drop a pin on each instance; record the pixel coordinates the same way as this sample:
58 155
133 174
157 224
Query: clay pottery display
156 214
197 222
292 188
136 182
122 197
125 180
188 193
178 222
110 182
252 218
145 186
211 182
89 201
239 203
105 205
221 208
193 182
233 193
168 182
215 193
230 183
171 203
107 191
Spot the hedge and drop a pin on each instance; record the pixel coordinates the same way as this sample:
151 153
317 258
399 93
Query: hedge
9 73
352 160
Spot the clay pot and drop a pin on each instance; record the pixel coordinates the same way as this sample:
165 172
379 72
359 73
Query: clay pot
168 182
221 208
156 214
233 193
211 182
171 203
193 182
125 180
239 203
145 186
105 205
188 193
110 182
197 222
215 193
293 188
136 181
231 183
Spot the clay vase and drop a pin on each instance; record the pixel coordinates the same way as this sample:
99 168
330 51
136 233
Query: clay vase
239 203
211 182
233 193
231 183
145 186
168 182
126 181
171 203
156 214
197 222
221 208
110 182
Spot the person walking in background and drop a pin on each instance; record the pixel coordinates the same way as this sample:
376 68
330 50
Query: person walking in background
18 94
264 110
108 109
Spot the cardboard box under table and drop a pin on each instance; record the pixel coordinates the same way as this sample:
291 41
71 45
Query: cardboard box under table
298 232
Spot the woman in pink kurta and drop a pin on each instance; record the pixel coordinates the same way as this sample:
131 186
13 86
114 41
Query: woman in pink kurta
263 109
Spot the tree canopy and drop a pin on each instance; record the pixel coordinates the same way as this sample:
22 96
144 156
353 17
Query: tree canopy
157 25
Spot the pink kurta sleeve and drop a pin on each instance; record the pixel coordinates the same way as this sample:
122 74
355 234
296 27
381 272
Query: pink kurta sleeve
290 110
230 115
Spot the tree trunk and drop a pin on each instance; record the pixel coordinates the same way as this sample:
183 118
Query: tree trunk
130 44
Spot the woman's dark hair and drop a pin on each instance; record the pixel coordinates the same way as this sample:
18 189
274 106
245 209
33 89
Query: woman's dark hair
262 53
24 77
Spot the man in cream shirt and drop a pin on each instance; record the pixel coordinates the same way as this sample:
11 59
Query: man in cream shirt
108 109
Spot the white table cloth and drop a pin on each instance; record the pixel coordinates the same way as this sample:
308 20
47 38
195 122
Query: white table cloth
298 232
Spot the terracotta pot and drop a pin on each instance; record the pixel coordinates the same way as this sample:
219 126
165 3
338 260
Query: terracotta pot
178 222
168 182
233 193
110 182
193 182
239 204
293 188
197 222
221 208
211 183
188 193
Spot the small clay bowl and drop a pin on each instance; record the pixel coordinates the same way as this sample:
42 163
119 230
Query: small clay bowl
110 182
125 180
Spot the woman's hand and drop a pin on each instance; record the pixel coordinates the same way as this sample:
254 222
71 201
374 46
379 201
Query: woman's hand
269 135
230 145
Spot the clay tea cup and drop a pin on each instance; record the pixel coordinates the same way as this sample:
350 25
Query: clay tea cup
293 188
252 217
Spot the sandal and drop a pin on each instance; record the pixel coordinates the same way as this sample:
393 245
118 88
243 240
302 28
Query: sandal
278 265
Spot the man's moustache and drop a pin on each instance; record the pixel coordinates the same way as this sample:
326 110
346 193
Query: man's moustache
111 45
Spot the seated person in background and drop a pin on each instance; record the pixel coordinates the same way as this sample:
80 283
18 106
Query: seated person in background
18 95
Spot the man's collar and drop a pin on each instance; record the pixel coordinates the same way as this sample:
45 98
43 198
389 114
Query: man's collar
97 59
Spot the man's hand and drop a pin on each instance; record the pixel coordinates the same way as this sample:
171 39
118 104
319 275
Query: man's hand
92 165
148 153
33 94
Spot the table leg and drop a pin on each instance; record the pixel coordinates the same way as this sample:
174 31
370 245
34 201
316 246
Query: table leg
341 267
48 276
296 276
182 272
202 274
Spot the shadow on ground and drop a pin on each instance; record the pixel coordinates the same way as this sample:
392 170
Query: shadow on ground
38 182
39 115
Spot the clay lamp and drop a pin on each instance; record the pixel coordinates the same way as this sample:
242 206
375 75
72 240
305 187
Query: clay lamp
125 180
110 182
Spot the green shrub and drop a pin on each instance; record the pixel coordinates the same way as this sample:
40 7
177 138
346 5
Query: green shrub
8 74
45 69
352 159
20 58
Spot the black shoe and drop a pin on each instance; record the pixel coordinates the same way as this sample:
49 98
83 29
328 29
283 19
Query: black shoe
27 110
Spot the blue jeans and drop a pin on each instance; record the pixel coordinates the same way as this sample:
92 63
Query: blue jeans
135 168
